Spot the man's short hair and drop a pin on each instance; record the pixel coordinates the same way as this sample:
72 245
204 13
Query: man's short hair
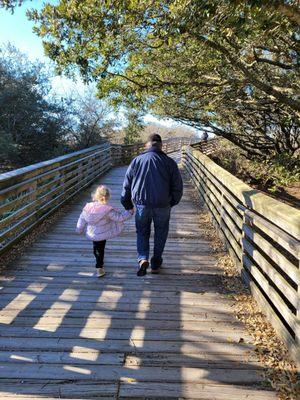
154 138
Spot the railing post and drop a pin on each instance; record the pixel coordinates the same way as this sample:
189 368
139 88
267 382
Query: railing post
33 197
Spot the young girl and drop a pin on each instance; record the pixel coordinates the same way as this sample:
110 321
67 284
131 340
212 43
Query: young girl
101 221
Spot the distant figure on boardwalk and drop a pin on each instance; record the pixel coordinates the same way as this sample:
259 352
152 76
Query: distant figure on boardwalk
204 136
100 222
153 185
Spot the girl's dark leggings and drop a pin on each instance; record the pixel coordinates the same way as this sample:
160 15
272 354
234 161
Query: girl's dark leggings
99 248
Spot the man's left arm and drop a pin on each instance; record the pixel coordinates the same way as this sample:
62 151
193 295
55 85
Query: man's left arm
176 185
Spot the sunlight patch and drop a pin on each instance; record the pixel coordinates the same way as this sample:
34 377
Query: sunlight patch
112 297
137 336
78 370
14 308
21 358
58 310
85 273
84 353
69 295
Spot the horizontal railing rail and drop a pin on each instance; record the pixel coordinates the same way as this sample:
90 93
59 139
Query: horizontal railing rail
263 236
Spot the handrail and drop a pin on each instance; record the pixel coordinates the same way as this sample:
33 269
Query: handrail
263 237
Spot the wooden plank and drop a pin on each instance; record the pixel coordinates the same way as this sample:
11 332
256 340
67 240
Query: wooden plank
24 223
107 373
158 390
125 345
45 389
207 322
103 306
113 300
200 360
117 314
132 333
78 356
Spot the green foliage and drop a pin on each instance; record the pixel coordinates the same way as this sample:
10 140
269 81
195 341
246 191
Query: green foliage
31 128
229 67
92 121
280 171
8 149
270 174
10 4
133 128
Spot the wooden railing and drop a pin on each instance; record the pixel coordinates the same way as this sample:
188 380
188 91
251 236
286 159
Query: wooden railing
263 236
30 194
123 154
207 146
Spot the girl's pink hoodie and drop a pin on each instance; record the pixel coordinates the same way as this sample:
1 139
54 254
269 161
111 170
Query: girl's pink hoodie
101 221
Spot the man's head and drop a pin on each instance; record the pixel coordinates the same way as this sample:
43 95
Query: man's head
154 140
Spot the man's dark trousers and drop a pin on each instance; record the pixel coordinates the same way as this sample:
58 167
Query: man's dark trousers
143 219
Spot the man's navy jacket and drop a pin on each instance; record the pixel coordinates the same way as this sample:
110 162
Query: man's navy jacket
152 180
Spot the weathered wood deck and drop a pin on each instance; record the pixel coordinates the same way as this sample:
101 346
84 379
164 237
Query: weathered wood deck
66 334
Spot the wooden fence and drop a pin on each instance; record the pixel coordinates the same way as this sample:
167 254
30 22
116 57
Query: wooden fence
122 154
207 146
263 236
30 194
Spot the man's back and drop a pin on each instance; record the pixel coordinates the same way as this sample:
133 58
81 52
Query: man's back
153 180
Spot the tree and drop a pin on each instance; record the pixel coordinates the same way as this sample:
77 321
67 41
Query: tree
10 4
31 127
132 131
231 67
168 132
93 120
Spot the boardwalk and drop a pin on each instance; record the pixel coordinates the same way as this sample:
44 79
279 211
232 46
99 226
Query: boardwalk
66 334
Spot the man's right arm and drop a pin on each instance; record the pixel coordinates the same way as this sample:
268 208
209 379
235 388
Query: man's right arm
126 192
176 185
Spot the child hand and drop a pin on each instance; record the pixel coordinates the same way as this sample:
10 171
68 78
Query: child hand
131 211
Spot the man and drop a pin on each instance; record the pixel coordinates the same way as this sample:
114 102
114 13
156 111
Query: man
153 185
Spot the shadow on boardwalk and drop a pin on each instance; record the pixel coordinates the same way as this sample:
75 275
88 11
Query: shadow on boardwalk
66 334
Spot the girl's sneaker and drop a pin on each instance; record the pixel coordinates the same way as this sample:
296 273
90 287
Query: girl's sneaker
100 272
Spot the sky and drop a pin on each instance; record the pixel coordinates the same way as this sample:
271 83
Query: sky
18 30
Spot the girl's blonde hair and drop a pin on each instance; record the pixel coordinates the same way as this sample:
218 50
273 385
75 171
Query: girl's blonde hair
101 194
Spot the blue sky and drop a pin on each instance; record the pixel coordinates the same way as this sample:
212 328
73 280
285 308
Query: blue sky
17 29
